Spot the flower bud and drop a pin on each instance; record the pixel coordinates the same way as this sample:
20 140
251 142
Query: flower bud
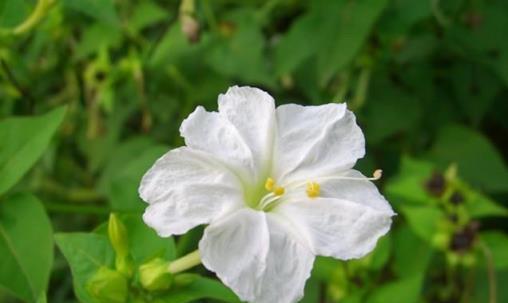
107 285
118 238
154 275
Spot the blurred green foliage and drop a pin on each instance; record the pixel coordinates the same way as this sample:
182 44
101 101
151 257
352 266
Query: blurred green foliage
93 91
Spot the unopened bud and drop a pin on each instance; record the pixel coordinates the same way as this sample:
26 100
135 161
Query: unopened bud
107 285
118 238
190 26
154 275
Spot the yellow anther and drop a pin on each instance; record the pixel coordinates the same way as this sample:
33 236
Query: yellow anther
313 189
278 191
378 173
269 184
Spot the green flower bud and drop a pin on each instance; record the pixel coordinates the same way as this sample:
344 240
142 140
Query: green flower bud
154 275
107 285
118 238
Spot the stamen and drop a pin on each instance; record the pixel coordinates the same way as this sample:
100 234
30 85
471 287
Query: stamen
278 191
269 184
378 173
313 189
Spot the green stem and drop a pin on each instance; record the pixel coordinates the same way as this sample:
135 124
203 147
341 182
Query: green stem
209 15
361 89
188 261
491 273
40 11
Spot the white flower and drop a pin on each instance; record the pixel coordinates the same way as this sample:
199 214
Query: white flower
276 187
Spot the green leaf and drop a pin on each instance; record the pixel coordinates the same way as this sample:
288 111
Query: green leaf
406 290
409 185
26 247
103 10
497 244
85 253
478 160
334 31
392 111
354 23
241 55
191 287
13 12
22 142
412 254
479 206
381 253
145 14
96 37
423 220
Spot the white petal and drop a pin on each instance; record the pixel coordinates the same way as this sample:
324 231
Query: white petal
359 191
258 256
252 112
186 188
288 264
337 228
212 133
316 140
235 248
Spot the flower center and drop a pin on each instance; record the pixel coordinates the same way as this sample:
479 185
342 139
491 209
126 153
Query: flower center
272 193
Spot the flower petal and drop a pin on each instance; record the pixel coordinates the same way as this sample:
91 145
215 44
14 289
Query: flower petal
336 227
359 191
212 133
288 264
240 134
315 140
186 188
258 256
235 248
252 112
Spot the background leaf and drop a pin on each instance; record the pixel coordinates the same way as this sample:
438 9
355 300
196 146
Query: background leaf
22 142
478 161
86 253
26 247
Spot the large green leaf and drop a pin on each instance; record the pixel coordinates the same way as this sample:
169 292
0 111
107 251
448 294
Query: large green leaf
26 247
13 12
423 220
412 254
333 30
478 160
406 290
22 142
86 253
191 287
409 185
354 23
497 245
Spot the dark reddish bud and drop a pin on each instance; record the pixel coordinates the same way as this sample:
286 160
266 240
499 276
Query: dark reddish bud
436 185
457 198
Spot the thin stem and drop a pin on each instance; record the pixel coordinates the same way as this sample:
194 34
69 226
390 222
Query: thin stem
40 11
12 78
188 261
438 13
491 274
361 89
209 15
